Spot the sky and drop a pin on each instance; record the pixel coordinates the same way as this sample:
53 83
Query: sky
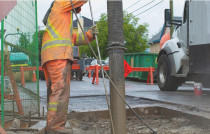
154 16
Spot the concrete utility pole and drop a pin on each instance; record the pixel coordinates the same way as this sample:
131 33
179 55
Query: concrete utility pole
172 16
116 64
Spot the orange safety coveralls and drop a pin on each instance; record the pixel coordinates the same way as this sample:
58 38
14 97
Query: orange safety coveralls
56 54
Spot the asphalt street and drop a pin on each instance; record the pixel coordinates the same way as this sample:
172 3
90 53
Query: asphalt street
86 96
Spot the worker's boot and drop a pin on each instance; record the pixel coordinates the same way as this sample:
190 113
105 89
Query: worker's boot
64 131
68 130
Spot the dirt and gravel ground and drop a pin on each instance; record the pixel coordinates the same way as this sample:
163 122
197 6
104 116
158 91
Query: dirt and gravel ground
160 120
160 124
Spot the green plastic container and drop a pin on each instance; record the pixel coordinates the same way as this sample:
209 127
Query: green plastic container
141 60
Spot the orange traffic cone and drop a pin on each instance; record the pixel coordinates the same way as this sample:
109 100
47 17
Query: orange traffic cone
34 77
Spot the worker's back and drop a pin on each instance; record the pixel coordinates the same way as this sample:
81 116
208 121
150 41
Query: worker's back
60 20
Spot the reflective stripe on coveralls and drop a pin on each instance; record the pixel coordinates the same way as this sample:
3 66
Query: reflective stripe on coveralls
57 43
53 106
80 39
51 30
71 25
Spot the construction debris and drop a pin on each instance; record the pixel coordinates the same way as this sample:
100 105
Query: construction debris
160 119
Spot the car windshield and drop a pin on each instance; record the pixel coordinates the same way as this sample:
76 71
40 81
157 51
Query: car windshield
102 62
94 62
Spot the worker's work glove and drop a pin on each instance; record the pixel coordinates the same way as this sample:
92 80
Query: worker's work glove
94 30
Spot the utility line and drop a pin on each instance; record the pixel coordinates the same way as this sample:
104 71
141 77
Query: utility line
149 8
143 6
133 5
115 88
148 14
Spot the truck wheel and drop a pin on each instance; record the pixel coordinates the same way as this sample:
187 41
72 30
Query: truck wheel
100 74
166 82
79 75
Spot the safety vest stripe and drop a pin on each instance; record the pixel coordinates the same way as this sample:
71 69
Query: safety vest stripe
53 103
83 37
57 43
80 40
49 33
56 40
51 30
77 37
53 106
52 109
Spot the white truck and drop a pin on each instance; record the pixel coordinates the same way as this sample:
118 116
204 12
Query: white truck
186 56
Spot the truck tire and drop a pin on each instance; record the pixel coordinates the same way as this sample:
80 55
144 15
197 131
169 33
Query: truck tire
79 75
100 74
166 82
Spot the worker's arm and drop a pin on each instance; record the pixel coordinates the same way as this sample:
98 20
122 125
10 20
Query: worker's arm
79 39
67 6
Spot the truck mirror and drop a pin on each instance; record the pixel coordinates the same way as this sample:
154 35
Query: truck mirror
168 21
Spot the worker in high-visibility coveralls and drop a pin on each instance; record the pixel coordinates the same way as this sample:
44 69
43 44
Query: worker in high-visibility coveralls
56 58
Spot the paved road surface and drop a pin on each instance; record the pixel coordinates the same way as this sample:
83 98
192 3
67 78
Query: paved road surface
92 96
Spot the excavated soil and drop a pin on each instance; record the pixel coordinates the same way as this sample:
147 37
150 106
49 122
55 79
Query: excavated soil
161 120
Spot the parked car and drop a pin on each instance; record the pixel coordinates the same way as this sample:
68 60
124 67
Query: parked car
88 63
106 63
103 62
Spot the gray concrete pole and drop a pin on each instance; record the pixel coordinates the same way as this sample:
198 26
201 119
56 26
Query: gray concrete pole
116 64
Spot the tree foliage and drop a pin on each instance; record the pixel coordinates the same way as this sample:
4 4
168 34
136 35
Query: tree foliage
135 36
33 46
23 42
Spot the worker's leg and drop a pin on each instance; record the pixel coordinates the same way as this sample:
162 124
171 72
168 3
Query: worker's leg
59 72
48 82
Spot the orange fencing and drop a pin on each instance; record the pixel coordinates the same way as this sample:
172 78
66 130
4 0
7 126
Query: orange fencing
96 69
